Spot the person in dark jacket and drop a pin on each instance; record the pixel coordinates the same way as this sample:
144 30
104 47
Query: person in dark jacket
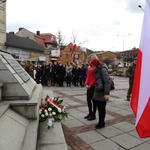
68 70
130 73
101 96
38 73
54 71
82 75
43 74
75 75
49 73
60 74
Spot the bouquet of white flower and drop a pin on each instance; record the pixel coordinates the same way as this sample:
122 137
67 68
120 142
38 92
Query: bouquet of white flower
54 108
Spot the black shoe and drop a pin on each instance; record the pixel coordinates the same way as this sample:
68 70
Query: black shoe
99 126
86 117
91 118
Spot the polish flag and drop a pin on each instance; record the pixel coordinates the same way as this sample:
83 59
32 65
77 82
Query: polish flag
140 100
74 46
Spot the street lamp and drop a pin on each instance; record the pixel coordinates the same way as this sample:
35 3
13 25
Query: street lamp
141 7
123 36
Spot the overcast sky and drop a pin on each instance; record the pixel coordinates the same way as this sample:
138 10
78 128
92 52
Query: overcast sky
96 23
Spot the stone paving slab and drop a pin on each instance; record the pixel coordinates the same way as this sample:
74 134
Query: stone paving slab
124 112
71 102
127 141
144 146
135 134
73 123
110 131
106 145
91 137
124 126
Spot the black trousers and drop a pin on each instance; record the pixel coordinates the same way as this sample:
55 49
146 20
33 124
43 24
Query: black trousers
68 80
101 105
90 93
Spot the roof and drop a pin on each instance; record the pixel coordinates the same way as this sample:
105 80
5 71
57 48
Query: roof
20 42
49 38
40 40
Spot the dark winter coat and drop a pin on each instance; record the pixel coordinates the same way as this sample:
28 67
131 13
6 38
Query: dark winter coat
82 73
49 72
60 73
75 72
101 73
54 70
43 70
38 72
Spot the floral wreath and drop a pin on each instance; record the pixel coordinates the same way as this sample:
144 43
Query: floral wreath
52 108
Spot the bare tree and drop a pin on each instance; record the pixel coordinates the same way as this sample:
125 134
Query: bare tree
60 39
74 39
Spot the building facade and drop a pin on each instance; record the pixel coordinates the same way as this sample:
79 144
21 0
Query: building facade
66 55
47 40
106 55
24 49
2 24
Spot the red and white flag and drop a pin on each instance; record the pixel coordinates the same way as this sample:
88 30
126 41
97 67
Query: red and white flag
74 46
50 100
140 100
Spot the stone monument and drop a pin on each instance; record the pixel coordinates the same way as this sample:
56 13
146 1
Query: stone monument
20 98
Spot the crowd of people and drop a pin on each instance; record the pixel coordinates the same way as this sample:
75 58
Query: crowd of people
56 74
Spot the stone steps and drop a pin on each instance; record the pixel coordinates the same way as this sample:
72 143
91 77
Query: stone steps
30 139
19 122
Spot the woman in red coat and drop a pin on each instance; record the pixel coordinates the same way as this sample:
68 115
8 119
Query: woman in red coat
90 86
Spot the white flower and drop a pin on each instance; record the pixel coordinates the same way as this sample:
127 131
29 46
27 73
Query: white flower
53 113
49 109
42 115
59 110
45 110
46 114
40 111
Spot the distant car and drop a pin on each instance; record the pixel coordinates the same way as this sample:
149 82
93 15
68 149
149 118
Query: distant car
120 72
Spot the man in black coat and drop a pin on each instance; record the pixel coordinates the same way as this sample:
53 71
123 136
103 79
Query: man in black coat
54 73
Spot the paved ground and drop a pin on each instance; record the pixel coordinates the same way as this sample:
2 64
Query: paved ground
119 133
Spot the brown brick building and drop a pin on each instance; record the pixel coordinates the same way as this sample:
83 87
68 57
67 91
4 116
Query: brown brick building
106 55
65 54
